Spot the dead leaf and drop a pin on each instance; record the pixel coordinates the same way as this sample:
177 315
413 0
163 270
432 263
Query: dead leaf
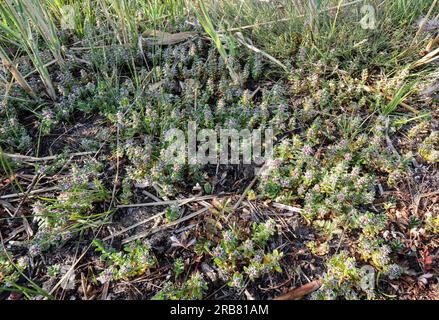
300 292
164 38
426 260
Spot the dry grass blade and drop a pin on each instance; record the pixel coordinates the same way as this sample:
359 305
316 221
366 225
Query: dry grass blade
431 44
430 57
42 159
69 272
424 21
16 195
155 33
16 74
243 195
266 23
241 40
45 66
156 86
158 202
25 17
164 38
286 207
146 233
26 225
167 202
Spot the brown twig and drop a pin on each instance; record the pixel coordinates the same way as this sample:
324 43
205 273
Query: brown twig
180 202
36 159
166 202
241 40
285 207
116 178
145 233
17 195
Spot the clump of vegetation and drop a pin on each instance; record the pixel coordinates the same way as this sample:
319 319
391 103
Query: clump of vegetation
371 246
135 259
90 90
61 218
192 289
429 148
344 280
10 271
331 193
239 255
172 213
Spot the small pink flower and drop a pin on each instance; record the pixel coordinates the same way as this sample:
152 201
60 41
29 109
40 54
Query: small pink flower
307 150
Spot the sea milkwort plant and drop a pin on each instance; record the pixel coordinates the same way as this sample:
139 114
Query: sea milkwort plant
219 150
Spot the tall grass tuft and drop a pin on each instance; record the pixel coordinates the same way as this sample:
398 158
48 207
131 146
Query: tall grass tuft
206 22
20 18
401 95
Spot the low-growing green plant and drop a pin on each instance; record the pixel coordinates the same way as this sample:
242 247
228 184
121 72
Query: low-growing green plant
54 270
349 119
239 255
192 289
10 271
178 267
61 218
135 259
372 223
13 277
371 246
343 280
375 251
127 192
432 222
429 148
394 271
13 134
331 194
202 247
172 213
